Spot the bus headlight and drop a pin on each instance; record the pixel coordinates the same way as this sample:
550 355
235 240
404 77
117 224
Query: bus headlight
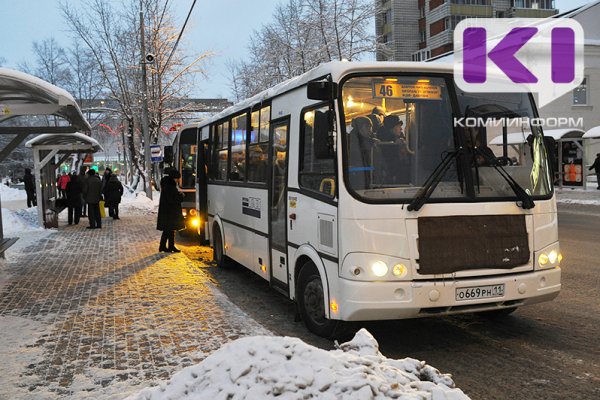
372 267
399 270
192 212
379 268
184 212
195 222
549 257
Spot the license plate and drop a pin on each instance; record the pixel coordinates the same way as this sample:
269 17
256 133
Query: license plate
479 292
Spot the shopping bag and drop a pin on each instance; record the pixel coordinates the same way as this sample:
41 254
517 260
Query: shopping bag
102 210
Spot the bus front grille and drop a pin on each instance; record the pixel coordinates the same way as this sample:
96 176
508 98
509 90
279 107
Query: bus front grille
459 243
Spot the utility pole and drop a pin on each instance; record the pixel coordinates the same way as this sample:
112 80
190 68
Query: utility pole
145 133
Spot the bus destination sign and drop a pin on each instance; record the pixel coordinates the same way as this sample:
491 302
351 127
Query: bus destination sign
422 91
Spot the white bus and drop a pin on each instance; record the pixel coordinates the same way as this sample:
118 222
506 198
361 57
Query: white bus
359 222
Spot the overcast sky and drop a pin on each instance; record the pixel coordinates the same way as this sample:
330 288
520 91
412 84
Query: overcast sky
220 26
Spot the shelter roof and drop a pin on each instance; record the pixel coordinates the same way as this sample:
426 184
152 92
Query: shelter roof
22 94
65 143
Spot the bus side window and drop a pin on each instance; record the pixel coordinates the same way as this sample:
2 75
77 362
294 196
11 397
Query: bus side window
315 174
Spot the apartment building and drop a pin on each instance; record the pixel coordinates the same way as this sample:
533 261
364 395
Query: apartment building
416 30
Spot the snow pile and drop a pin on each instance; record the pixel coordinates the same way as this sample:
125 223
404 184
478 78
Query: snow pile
10 194
267 367
135 203
19 221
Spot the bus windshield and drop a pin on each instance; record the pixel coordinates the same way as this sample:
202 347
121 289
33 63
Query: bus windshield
399 129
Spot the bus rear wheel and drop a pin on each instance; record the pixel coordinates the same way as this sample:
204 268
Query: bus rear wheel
219 256
311 302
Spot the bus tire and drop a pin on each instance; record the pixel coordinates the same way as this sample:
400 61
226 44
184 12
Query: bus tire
219 256
310 300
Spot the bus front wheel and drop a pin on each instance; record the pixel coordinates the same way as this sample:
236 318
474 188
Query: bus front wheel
311 302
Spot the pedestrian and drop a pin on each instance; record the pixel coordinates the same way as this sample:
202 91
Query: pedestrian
74 190
170 218
93 194
83 180
112 195
61 183
596 167
29 182
105 178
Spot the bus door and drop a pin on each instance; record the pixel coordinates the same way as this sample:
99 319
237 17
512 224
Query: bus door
201 189
278 203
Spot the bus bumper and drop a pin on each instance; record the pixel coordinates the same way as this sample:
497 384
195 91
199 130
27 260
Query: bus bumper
363 301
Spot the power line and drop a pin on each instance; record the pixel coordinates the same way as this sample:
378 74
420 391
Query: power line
179 37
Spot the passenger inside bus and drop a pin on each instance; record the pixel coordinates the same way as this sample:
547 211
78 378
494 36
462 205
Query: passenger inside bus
361 145
257 171
395 153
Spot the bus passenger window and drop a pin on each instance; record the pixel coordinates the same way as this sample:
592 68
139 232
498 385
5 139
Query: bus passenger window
315 174
238 148
221 153
258 150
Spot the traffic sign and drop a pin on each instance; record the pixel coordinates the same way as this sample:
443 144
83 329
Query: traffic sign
156 153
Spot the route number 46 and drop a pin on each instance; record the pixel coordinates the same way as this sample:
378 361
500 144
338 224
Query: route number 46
386 91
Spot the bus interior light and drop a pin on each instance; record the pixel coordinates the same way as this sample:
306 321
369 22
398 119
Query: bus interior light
379 268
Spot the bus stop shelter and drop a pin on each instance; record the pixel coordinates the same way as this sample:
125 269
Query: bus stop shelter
570 153
47 149
29 105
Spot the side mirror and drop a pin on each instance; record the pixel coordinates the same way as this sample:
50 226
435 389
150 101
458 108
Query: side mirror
550 145
168 155
323 140
322 90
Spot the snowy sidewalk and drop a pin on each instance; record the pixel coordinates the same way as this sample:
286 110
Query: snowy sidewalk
100 314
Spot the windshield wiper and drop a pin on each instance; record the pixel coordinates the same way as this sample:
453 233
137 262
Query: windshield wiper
432 181
522 195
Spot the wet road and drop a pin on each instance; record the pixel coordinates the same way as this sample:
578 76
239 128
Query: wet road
545 351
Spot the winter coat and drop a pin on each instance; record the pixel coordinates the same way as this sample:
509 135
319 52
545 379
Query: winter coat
169 206
62 182
29 182
596 165
93 190
113 190
74 188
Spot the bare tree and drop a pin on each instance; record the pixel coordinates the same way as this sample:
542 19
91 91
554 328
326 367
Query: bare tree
304 34
112 37
50 62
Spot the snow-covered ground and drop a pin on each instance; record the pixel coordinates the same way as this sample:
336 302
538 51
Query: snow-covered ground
256 367
264 367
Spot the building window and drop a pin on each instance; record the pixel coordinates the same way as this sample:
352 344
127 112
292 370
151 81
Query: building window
423 35
387 17
384 39
422 12
580 94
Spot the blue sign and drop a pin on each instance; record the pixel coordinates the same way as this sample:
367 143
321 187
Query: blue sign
156 153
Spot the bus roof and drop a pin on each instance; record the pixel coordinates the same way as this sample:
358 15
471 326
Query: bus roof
337 69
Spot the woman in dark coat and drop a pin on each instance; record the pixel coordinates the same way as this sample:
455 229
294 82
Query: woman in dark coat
170 218
73 191
112 195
